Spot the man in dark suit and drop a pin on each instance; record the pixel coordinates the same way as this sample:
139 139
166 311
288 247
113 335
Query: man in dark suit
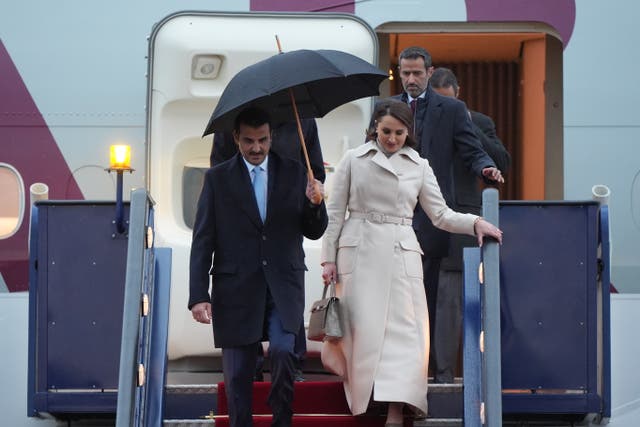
285 142
444 132
468 199
253 212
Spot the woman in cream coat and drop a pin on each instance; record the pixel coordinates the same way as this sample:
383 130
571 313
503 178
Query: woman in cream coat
375 258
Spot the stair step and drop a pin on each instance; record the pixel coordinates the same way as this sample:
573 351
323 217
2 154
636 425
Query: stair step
439 422
188 423
317 420
310 397
190 402
435 422
327 397
446 401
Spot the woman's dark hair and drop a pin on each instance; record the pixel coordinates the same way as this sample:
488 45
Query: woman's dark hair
399 111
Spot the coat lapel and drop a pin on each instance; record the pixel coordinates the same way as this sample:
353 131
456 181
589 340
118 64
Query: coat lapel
378 157
271 185
430 122
381 160
243 193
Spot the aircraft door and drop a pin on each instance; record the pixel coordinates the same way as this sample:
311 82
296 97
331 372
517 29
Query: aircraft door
192 56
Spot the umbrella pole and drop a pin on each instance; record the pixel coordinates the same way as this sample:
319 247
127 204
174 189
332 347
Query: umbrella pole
310 176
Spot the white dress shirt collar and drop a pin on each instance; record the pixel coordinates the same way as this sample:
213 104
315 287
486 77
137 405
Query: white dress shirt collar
263 165
410 98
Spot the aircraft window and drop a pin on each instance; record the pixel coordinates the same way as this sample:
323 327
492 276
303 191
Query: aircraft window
192 181
11 200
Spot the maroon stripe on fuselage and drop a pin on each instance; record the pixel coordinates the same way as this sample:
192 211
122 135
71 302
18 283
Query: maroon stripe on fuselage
303 6
27 144
560 14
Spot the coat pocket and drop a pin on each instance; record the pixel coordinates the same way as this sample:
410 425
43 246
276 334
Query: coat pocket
347 254
411 255
223 268
298 266
224 281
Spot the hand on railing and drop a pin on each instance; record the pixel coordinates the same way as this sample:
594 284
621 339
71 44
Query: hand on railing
482 228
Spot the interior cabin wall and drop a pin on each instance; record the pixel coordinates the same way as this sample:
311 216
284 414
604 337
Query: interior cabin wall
492 88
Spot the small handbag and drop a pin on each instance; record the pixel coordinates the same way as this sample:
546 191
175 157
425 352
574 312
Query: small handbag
325 323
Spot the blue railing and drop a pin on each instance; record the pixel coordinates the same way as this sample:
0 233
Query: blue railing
482 354
604 380
541 303
144 321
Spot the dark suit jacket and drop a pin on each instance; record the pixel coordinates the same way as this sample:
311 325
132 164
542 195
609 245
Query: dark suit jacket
250 256
468 197
444 133
285 142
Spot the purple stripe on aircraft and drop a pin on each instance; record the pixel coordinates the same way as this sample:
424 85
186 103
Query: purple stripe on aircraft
303 6
560 14
27 144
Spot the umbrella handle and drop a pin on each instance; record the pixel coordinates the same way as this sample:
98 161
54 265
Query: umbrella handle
318 197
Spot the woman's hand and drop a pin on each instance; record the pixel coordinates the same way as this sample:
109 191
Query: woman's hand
483 228
329 272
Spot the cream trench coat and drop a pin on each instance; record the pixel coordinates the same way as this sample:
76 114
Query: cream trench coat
385 348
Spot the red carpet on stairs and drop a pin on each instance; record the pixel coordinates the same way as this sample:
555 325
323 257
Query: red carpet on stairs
315 404
309 397
316 421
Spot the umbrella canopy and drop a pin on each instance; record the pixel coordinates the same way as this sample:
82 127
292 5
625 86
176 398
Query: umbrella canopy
321 80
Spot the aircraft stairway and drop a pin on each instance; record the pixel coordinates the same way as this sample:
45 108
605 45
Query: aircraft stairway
317 402
525 362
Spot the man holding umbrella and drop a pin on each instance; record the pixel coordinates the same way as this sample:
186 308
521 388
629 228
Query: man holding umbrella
283 139
252 215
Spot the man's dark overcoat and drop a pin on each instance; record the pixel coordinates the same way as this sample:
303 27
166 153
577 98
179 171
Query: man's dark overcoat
250 256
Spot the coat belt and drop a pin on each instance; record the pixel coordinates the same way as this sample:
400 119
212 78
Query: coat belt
380 218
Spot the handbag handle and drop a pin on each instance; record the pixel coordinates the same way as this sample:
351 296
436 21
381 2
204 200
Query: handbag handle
332 286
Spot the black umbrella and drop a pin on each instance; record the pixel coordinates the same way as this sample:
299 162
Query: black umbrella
321 80
301 83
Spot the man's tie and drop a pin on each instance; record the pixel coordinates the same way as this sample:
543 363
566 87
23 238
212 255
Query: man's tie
414 106
259 188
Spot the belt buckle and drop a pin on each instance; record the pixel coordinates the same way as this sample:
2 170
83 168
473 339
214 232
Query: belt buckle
375 217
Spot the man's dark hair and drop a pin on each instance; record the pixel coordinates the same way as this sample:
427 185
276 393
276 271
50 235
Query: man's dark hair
443 78
253 117
415 52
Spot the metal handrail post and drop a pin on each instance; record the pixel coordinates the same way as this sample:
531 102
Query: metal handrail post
127 379
491 366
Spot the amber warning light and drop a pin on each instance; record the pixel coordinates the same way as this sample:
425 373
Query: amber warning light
119 161
120 157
